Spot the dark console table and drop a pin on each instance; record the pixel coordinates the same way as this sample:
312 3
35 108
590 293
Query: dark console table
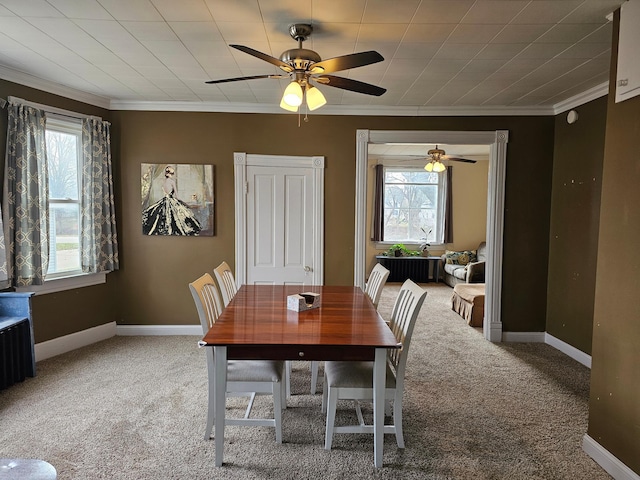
418 269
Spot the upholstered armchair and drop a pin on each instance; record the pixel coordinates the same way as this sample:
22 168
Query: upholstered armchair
465 266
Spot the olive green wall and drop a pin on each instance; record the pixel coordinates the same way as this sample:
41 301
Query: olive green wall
575 216
152 283
614 406
59 314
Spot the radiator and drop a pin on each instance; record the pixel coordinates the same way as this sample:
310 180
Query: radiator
401 268
15 351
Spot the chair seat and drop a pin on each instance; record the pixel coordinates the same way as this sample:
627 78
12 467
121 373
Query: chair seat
354 375
255 371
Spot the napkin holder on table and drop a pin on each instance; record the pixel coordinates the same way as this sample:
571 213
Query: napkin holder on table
303 301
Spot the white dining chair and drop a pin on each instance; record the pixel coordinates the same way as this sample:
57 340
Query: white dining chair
226 281
373 290
244 377
375 283
354 380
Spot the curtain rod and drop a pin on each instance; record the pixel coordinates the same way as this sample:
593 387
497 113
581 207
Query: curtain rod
48 109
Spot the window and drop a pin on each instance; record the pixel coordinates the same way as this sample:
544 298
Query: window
63 138
413 205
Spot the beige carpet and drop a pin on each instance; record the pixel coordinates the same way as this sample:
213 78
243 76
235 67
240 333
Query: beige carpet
135 407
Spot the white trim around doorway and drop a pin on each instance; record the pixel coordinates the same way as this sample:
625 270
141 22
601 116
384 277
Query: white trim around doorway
497 140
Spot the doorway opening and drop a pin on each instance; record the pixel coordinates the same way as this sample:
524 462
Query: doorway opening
497 142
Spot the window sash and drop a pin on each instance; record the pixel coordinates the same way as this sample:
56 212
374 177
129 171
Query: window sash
437 234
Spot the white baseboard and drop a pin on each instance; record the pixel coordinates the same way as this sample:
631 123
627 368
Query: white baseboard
130 330
530 337
544 337
607 461
65 344
570 350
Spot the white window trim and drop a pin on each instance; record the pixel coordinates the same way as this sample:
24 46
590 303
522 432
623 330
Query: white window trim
62 284
442 187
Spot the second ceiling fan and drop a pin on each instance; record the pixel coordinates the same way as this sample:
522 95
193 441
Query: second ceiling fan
303 66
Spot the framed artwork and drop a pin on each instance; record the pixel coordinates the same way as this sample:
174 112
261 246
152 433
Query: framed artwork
177 199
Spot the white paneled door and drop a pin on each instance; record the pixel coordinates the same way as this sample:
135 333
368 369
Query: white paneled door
283 220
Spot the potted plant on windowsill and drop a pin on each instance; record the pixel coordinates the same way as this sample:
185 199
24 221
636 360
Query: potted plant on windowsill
424 246
399 250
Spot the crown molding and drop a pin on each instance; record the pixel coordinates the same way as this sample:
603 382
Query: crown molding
28 80
353 110
15 76
582 98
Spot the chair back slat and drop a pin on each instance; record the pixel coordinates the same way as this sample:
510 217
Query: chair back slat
403 319
227 282
375 284
207 299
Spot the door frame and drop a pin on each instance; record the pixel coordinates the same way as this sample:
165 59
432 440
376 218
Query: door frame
497 141
242 160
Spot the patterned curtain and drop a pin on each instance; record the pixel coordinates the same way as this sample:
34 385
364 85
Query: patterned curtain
99 239
26 196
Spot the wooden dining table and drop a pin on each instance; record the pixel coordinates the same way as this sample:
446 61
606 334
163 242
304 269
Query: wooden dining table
256 325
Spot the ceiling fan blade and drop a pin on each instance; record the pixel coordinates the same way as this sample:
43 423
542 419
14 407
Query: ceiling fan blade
346 62
253 77
458 159
349 84
263 56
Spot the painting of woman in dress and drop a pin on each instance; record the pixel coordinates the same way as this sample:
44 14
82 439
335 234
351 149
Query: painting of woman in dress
165 211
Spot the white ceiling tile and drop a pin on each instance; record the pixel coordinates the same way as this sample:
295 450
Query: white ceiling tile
338 11
428 32
145 31
192 32
383 11
244 10
132 10
31 8
468 33
586 50
375 32
458 51
183 10
287 11
428 56
520 33
81 9
546 11
494 11
601 35
500 51
412 50
593 11
567 33
243 33
437 11
543 50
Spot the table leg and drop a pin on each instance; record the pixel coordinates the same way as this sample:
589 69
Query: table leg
379 381
220 407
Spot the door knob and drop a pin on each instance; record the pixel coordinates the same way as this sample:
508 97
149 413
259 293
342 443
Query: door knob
307 269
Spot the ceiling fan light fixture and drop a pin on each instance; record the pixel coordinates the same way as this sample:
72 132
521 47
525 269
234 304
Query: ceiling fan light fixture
439 167
293 95
315 98
290 108
429 167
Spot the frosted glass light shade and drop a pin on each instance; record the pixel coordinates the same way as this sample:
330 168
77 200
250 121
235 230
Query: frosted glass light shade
429 167
293 94
287 107
439 167
315 98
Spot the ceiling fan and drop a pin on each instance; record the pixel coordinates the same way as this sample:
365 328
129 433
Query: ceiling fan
436 155
303 66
